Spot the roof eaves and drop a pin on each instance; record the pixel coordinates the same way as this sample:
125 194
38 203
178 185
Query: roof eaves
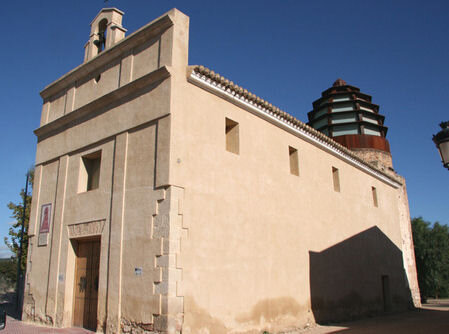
282 115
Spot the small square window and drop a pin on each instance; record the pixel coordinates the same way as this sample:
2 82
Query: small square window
90 172
374 192
294 163
232 136
336 179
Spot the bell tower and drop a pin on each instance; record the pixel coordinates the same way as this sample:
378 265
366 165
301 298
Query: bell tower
105 31
350 118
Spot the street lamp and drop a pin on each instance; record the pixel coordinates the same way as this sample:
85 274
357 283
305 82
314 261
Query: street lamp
441 140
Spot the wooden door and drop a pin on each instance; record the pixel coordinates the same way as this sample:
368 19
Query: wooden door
386 293
86 284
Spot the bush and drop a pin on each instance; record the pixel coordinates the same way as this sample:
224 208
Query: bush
8 273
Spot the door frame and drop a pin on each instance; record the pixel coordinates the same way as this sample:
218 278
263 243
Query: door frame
75 244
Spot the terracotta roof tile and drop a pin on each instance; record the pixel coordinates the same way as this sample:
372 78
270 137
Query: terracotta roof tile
218 79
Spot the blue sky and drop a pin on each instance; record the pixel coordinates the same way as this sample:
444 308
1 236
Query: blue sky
286 52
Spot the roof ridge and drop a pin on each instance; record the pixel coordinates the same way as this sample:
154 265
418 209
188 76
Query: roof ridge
286 117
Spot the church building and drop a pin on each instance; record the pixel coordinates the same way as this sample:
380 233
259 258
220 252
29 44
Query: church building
168 199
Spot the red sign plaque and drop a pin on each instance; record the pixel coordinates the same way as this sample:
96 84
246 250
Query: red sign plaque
45 218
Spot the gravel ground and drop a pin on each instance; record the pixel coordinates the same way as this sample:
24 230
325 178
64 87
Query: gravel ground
432 318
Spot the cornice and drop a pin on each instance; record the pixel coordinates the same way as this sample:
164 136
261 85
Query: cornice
367 104
359 95
105 10
222 87
358 122
346 112
78 115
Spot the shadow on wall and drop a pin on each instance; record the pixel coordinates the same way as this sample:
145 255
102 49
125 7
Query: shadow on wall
360 276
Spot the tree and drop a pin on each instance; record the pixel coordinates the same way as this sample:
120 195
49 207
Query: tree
13 241
8 271
432 257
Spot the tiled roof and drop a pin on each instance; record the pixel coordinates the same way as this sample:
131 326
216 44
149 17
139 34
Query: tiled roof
339 82
267 107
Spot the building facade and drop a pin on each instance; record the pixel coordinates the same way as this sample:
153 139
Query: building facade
168 199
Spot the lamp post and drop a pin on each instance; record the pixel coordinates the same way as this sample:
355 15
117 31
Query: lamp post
441 140
19 290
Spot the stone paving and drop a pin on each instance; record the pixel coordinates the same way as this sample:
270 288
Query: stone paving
14 326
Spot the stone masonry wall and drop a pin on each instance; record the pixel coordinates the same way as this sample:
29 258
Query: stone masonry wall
408 250
378 158
167 224
383 160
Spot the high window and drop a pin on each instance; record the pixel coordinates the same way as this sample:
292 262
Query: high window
374 193
232 136
90 172
294 163
336 179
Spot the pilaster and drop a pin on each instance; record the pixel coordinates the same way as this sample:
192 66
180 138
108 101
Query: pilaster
56 239
116 235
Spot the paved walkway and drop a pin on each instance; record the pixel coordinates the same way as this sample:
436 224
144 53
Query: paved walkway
433 318
14 326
